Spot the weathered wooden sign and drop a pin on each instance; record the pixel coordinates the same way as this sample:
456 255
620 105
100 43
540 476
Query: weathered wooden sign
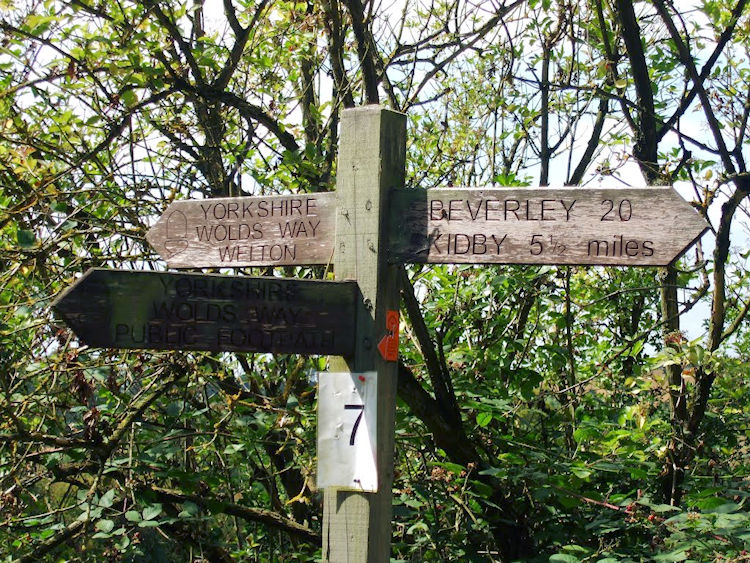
173 311
648 226
247 231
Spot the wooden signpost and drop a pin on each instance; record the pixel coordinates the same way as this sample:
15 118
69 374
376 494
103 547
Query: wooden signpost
648 226
372 161
247 231
371 223
167 311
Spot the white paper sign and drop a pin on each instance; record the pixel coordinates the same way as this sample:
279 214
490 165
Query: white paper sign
347 430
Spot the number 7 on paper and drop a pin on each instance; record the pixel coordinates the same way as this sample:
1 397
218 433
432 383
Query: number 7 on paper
347 430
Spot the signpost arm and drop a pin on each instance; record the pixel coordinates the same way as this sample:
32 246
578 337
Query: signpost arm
372 153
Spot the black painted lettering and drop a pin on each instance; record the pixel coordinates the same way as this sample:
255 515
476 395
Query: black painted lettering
454 209
232 208
276 252
625 210
136 338
224 232
568 209
200 287
166 282
262 208
436 210
206 209
183 287
528 212
474 213
183 311
596 246
310 207
499 243
295 206
488 210
631 248
189 336
223 335
278 207
465 240
479 244
152 334
247 209
648 248
229 253
204 233
433 242
512 205
546 209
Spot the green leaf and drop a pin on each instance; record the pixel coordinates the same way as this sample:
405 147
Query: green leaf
129 98
107 499
484 418
564 558
151 512
25 238
234 448
727 508
660 508
105 526
678 555
133 516
189 509
581 472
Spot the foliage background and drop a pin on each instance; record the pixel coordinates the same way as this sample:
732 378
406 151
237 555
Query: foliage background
562 414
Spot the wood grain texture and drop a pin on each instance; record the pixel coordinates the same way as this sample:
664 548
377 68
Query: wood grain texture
246 231
357 526
645 226
174 311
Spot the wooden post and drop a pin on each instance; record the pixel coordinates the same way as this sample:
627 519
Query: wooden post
372 154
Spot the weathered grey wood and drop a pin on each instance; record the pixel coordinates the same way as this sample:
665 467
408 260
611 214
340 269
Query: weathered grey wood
372 153
246 231
174 311
646 226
